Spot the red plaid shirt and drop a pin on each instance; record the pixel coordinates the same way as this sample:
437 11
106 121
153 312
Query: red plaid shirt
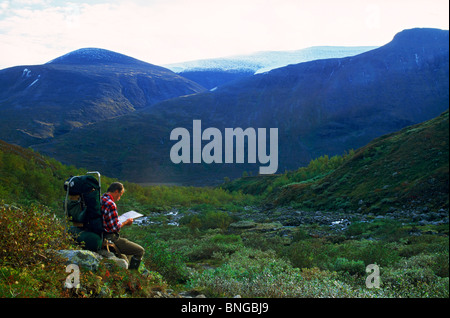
111 222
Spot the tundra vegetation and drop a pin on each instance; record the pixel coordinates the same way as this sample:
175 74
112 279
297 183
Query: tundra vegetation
311 232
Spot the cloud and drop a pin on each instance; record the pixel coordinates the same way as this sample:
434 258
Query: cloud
4 6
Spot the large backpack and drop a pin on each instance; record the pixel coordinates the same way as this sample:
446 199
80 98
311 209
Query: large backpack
83 208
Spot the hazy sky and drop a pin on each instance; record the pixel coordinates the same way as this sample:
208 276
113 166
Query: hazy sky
168 31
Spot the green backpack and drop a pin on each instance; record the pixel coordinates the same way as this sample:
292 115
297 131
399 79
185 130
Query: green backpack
83 208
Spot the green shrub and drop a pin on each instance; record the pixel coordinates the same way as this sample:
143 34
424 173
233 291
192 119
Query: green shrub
416 282
309 253
209 219
169 263
226 239
251 273
378 252
416 245
214 247
436 262
341 264
441 263
376 229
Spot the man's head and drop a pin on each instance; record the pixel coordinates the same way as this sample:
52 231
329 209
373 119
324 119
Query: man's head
116 190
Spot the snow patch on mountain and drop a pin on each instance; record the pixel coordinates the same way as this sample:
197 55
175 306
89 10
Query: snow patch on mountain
26 73
35 81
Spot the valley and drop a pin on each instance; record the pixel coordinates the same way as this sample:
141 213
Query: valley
362 178
225 241
322 107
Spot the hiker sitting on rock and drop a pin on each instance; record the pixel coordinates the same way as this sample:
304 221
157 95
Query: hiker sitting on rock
112 226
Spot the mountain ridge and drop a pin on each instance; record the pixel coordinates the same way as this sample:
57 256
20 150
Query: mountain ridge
92 55
40 102
320 107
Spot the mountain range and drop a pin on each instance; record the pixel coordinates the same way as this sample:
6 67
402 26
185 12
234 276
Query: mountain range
320 107
215 72
40 102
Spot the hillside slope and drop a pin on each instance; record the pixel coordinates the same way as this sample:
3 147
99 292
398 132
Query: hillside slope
402 170
40 102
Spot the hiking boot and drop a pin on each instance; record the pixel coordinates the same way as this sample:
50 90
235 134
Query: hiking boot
134 263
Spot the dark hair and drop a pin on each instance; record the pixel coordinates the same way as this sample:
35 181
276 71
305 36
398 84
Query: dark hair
116 186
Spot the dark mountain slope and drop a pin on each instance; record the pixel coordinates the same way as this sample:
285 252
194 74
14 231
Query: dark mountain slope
82 87
319 107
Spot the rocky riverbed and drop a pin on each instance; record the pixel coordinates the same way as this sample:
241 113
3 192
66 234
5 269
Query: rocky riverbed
286 218
293 217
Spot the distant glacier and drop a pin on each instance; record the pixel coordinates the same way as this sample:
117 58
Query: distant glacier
265 61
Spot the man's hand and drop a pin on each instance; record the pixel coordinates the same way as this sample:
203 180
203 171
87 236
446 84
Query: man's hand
128 222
